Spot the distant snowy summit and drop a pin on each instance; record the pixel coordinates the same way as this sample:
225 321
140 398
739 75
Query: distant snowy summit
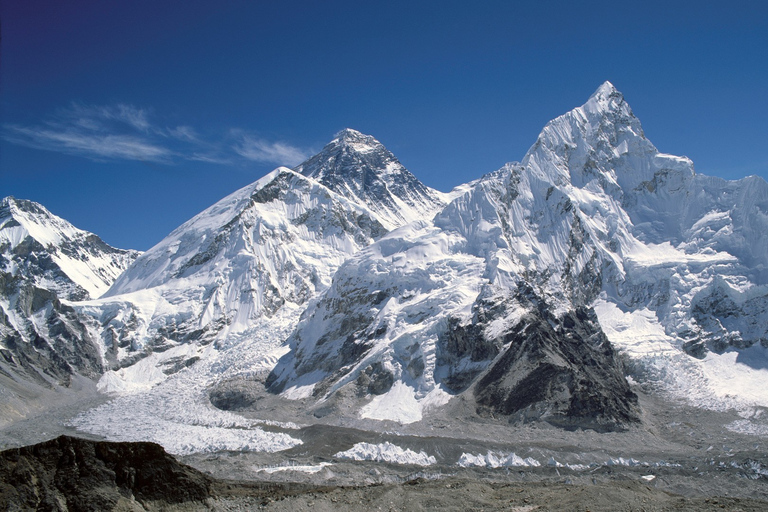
40 247
361 169
513 292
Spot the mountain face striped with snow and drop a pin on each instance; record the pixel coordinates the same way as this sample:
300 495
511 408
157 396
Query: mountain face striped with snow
45 262
269 247
361 169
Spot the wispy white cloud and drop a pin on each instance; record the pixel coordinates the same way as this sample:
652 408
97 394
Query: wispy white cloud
126 132
211 158
89 144
99 132
101 117
261 150
184 133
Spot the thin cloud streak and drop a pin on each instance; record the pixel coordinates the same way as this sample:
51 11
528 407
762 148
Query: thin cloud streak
184 133
95 145
98 117
126 132
278 153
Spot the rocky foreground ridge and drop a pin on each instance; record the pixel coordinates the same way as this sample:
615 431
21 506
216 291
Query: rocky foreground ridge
69 473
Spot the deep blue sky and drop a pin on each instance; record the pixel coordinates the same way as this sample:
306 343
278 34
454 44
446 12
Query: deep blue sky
128 117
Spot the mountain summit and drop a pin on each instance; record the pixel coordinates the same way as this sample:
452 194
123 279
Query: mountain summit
360 168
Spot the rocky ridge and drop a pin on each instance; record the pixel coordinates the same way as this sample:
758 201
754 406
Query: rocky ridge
68 473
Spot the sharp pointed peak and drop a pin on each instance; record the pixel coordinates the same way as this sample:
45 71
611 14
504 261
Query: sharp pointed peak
606 89
351 136
13 204
605 98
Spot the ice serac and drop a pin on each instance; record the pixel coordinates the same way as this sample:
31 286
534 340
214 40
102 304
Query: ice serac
269 246
46 262
360 168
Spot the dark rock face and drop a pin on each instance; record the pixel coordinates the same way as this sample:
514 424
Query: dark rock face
50 351
359 167
560 370
464 352
340 346
68 473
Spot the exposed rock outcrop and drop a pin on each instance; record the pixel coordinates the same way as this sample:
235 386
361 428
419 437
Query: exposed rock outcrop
68 473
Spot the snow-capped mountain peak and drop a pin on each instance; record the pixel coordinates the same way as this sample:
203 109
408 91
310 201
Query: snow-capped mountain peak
261 252
605 98
58 256
360 168
601 141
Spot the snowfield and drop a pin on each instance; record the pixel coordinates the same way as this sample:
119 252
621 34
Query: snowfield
734 379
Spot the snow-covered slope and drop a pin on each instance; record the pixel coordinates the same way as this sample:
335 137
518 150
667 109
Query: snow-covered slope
494 294
48 252
361 169
271 245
